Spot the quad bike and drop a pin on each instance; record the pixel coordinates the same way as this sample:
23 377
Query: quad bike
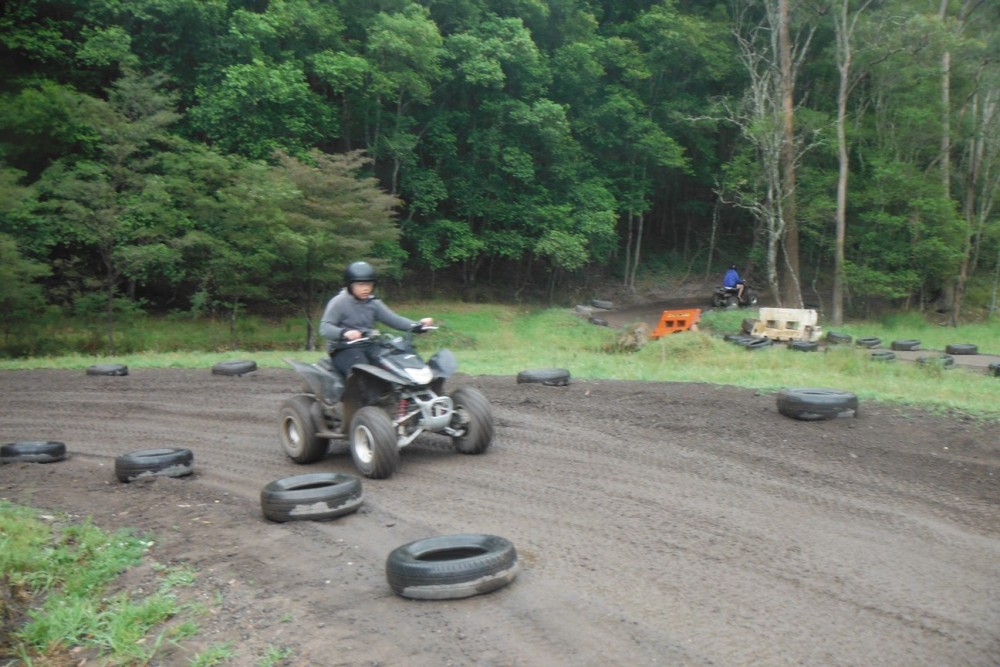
726 297
385 406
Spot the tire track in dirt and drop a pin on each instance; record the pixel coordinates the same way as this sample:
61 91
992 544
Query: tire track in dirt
656 523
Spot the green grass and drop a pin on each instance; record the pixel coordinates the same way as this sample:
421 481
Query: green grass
503 340
58 574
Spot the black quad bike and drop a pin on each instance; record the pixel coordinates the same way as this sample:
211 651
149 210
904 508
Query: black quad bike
726 297
382 407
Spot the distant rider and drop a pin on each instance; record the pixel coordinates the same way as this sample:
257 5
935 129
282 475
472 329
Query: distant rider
353 313
732 279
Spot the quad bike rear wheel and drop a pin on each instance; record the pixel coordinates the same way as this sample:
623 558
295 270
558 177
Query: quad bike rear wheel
474 417
373 443
297 430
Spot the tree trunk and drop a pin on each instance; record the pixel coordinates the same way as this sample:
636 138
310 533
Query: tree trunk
791 288
844 28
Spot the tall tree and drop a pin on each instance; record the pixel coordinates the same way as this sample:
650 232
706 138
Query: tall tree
100 198
335 215
763 118
845 22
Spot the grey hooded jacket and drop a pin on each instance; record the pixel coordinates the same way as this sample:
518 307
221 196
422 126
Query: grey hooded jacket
344 312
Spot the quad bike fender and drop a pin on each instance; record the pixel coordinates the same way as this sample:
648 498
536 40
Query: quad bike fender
321 378
363 386
444 364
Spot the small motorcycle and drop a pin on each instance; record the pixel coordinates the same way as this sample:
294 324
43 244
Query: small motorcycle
726 297
385 406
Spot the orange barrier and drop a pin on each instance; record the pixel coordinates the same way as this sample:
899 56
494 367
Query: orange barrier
673 321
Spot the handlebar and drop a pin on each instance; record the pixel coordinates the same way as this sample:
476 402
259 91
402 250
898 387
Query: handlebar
374 334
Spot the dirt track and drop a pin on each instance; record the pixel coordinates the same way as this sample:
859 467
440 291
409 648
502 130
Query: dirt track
656 524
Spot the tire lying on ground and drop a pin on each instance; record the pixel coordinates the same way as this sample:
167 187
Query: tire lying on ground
943 360
33 451
599 321
164 462
883 355
553 377
961 348
602 304
451 566
758 343
236 367
311 497
803 345
905 344
836 338
868 342
107 369
814 404
994 369
747 325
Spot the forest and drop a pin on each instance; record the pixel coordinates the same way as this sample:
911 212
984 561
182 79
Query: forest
219 156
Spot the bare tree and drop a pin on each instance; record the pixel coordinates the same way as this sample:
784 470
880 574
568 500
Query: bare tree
765 117
845 22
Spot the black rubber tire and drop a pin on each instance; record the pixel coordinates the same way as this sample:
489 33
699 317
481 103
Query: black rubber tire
837 338
165 462
451 566
803 345
33 451
718 301
943 360
313 497
602 304
297 430
474 415
994 369
372 441
883 355
553 377
905 344
732 301
814 404
870 343
599 321
108 369
236 368
758 343
961 348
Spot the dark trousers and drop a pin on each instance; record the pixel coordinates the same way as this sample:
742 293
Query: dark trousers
346 359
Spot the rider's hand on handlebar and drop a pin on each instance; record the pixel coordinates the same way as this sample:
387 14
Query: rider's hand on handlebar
352 335
426 324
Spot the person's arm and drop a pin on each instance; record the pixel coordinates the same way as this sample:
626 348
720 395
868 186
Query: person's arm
327 325
385 314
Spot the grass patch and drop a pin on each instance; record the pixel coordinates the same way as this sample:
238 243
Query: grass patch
504 340
56 578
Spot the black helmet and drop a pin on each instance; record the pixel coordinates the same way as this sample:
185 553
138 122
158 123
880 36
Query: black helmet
359 272
732 266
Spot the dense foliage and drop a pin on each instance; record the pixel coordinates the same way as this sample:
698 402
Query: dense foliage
200 155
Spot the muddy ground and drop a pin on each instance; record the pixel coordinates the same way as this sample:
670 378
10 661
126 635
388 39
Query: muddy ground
656 524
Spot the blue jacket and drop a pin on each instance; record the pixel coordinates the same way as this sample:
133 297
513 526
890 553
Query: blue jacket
732 278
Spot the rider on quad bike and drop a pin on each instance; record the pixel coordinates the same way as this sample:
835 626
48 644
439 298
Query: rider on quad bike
734 291
353 313
375 391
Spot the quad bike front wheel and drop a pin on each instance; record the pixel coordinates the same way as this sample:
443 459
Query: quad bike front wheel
373 443
474 417
297 430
